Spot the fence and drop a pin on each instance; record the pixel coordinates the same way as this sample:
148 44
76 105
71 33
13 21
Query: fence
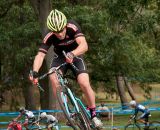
116 109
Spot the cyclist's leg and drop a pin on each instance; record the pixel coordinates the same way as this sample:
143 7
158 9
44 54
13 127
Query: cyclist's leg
56 62
83 80
25 124
144 119
54 83
50 126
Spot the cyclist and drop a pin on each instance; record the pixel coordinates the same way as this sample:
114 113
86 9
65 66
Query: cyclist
49 120
138 107
29 117
14 125
66 35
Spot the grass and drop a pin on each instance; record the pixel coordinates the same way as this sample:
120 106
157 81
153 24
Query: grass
118 120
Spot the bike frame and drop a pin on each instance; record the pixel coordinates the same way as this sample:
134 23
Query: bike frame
70 94
84 108
66 92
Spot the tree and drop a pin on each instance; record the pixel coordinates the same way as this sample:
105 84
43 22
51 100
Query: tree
17 47
122 43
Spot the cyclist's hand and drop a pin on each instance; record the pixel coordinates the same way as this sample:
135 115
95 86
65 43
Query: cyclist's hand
14 119
69 57
129 121
33 76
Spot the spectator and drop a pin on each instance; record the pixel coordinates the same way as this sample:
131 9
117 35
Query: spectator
105 111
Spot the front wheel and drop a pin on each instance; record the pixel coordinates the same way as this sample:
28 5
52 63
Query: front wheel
68 105
61 96
132 127
82 119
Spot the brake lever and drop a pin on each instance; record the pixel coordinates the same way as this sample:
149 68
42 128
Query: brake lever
39 86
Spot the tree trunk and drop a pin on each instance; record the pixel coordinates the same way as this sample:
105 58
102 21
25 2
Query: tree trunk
28 92
129 88
44 96
42 9
121 91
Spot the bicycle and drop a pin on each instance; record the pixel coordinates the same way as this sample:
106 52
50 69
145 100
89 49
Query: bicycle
134 125
72 107
17 125
36 126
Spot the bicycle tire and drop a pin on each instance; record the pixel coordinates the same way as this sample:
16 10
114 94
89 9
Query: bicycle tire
132 127
78 117
35 128
154 125
59 92
84 122
88 120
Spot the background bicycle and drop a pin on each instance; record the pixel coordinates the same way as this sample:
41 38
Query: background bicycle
135 125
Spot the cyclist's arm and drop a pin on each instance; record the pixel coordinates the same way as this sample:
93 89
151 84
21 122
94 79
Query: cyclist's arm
18 117
9 126
38 61
82 46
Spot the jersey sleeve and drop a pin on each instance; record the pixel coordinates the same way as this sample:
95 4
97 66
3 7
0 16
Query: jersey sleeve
136 112
76 29
47 42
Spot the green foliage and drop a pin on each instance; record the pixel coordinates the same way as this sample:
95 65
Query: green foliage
18 43
123 37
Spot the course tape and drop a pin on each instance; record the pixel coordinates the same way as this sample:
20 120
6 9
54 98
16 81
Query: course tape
115 111
148 102
70 127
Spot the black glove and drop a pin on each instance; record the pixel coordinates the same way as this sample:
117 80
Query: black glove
34 74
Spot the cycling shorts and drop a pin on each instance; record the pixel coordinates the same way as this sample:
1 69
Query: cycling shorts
52 123
77 61
31 120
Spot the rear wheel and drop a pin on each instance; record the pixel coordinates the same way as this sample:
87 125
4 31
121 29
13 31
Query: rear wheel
132 127
154 125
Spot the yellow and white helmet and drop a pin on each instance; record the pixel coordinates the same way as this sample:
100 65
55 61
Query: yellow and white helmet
56 21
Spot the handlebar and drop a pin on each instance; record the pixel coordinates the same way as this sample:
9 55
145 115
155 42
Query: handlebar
54 69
